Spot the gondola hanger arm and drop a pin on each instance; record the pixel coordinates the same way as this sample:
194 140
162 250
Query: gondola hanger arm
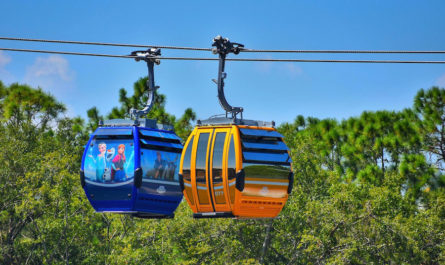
150 57
223 47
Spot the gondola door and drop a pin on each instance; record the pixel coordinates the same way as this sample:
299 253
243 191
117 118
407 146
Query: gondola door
218 172
200 178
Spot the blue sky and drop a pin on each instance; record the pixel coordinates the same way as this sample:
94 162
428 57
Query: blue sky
267 91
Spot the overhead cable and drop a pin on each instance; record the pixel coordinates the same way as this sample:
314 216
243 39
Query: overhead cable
108 44
68 53
228 59
345 51
209 49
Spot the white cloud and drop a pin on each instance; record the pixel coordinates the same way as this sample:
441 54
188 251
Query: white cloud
5 76
4 59
441 81
54 66
51 73
293 70
264 67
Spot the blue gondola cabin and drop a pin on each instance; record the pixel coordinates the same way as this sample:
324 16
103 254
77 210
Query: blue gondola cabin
133 169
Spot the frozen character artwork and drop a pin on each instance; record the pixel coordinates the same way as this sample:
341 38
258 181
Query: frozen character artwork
117 171
100 162
109 155
159 165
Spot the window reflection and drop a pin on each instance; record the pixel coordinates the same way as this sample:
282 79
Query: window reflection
265 171
231 160
270 145
160 165
218 149
186 164
201 154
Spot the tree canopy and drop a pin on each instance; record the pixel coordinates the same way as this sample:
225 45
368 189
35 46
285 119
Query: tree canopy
368 190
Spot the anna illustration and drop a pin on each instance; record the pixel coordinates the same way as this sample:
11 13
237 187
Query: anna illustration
117 171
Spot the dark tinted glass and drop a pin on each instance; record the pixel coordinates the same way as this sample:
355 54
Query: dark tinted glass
218 149
264 171
158 134
231 160
187 160
177 146
201 154
160 165
272 145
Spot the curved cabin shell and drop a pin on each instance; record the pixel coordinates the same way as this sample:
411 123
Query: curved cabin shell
133 170
235 171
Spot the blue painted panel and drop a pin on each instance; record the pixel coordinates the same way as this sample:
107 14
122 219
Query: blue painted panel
112 206
85 153
107 193
260 133
267 157
278 145
161 188
157 204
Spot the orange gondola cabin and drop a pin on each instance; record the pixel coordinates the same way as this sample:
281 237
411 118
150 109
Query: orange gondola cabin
230 170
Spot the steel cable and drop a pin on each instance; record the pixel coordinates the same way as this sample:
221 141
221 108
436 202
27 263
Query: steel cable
209 49
107 44
228 59
344 51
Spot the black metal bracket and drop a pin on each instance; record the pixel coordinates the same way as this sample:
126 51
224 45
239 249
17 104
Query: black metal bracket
223 47
150 57
291 182
240 180
82 178
138 177
181 182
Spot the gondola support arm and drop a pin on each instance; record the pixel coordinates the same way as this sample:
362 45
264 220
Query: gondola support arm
150 57
223 47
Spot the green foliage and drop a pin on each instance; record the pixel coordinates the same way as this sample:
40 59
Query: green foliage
430 106
19 103
368 190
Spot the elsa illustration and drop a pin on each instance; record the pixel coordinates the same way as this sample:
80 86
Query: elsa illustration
100 162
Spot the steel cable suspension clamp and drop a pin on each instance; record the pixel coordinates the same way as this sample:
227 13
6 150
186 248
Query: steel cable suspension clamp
223 47
150 56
